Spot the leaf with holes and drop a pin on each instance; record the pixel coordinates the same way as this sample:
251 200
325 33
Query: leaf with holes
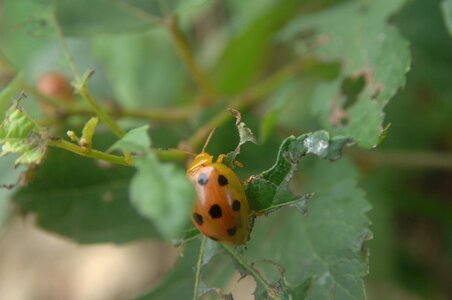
370 51
270 189
245 135
324 253
20 134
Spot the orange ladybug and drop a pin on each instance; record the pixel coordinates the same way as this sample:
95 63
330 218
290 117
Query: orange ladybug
221 211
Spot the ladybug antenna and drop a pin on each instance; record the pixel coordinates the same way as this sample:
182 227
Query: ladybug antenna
208 140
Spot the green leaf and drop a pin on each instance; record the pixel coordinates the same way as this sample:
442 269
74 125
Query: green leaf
270 189
138 66
245 54
180 280
324 253
12 88
20 134
245 135
89 204
9 177
88 132
136 140
86 17
162 193
446 7
368 48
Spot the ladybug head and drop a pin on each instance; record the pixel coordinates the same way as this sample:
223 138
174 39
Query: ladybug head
202 159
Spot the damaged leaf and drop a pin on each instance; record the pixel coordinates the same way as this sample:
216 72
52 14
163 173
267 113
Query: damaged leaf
21 135
245 135
369 49
270 189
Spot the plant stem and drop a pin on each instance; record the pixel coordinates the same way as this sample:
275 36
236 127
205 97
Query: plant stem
400 158
186 55
65 48
138 12
199 268
171 154
258 277
248 99
83 90
170 114
81 85
114 159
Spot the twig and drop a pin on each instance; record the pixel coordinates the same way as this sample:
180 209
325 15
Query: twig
81 83
400 158
199 268
248 99
186 55
170 114
256 275
83 90
114 159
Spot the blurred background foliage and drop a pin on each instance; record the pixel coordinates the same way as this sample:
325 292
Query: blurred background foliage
283 62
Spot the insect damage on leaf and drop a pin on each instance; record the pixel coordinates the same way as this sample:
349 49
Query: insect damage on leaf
377 62
270 189
21 135
245 134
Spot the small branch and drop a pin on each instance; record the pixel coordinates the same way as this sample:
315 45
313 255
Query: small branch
65 48
256 275
400 158
248 99
81 85
171 154
114 159
186 55
199 268
83 90
170 114
138 12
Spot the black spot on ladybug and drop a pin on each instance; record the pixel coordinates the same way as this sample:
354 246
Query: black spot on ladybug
198 218
202 179
236 205
213 238
222 180
215 211
232 231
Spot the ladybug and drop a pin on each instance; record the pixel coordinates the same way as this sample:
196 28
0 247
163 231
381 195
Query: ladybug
221 210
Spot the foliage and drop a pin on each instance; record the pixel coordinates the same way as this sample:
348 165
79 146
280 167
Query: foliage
312 77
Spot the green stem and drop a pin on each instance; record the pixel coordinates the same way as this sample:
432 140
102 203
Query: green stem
114 159
400 158
138 12
186 55
83 90
171 154
65 48
248 99
241 261
170 114
199 268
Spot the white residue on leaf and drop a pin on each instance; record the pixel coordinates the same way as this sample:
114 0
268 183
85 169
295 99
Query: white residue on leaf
315 146
324 279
